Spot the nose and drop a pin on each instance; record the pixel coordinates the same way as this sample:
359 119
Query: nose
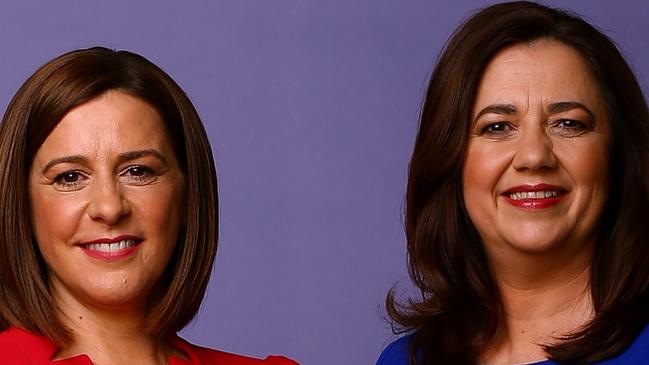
534 151
107 203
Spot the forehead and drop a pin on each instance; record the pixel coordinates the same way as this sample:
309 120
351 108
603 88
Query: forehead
544 71
114 119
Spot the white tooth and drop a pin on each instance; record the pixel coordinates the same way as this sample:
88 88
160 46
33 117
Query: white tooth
532 195
111 247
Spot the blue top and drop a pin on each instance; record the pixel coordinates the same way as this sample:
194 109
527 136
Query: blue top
637 354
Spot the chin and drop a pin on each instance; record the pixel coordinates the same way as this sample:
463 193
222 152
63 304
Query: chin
537 241
533 247
111 291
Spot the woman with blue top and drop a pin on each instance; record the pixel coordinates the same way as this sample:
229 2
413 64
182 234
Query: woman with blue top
528 199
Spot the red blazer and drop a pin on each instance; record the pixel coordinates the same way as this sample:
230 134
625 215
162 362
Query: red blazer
19 347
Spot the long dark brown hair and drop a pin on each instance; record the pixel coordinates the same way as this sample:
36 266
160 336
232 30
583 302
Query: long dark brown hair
39 105
460 312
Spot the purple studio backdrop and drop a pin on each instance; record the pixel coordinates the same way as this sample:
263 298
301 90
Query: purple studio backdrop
311 108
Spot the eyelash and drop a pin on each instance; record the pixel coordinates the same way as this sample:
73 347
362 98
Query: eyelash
488 129
59 180
574 130
143 175
148 173
577 128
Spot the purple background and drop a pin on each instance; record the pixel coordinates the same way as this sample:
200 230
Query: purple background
311 107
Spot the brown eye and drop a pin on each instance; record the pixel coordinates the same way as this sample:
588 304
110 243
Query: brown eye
70 177
497 130
138 171
570 124
569 127
138 175
70 180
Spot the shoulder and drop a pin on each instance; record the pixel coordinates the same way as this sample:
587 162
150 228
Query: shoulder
19 347
207 356
8 351
396 353
637 353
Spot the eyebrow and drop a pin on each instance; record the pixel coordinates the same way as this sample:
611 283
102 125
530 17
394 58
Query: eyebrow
554 108
565 106
128 156
124 157
502 109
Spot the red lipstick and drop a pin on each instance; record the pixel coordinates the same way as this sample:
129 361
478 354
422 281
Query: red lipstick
534 197
111 249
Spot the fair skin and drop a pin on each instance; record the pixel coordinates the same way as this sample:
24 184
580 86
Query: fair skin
105 190
535 185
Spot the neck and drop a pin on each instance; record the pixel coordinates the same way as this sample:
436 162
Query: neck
108 335
545 296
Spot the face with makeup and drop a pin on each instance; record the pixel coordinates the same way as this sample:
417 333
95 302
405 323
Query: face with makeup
536 166
106 190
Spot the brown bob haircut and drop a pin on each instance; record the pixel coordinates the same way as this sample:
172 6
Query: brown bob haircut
44 99
460 312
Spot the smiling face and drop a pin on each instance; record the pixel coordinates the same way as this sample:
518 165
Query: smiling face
105 191
536 166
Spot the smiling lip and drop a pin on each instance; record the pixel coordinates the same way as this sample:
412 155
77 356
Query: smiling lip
534 197
110 249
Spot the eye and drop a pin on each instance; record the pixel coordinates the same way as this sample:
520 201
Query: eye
569 127
569 123
138 175
70 180
497 129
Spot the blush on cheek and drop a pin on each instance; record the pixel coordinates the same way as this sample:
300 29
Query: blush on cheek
54 220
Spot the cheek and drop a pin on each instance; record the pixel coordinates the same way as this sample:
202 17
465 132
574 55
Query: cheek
590 172
476 185
55 219
159 211
484 164
588 165
595 168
